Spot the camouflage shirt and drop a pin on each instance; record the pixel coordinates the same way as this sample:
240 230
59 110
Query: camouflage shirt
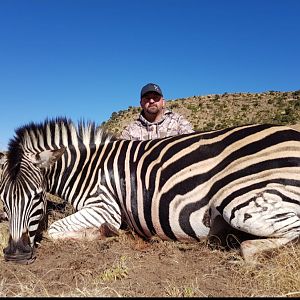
170 124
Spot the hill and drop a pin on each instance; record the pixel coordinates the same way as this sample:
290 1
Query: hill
221 111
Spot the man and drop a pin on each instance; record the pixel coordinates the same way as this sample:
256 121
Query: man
155 121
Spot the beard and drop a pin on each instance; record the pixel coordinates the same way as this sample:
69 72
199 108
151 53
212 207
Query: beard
152 110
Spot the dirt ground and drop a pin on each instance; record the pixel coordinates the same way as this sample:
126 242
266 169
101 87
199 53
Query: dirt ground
119 266
127 266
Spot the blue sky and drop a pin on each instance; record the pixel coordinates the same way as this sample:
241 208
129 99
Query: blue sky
90 58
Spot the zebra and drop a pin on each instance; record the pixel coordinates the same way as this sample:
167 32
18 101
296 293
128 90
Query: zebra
175 188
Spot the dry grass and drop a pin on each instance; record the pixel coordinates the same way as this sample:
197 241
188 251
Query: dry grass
213 273
275 276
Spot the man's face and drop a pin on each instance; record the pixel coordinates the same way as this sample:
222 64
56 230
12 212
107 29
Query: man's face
152 103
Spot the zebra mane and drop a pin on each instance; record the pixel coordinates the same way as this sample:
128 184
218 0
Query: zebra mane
53 134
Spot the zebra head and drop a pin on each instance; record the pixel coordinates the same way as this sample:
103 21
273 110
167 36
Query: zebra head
22 190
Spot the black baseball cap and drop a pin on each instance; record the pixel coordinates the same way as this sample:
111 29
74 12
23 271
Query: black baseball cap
151 87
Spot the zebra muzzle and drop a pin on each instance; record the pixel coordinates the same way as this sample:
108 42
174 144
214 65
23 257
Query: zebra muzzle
19 252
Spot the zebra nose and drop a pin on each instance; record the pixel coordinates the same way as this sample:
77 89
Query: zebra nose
19 251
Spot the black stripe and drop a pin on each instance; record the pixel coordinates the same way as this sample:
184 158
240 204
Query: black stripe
82 157
283 196
84 174
110 163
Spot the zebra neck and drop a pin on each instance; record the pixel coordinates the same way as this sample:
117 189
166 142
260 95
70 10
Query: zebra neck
76 174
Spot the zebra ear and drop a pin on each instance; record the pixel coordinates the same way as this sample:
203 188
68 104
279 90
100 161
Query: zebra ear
47 158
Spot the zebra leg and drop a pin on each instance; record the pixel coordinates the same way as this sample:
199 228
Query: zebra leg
89 223
268 216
